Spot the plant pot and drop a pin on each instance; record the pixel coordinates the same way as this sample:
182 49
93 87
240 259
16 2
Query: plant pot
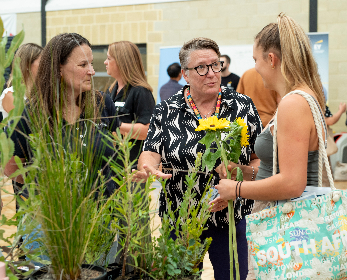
44 270
113 271
136 277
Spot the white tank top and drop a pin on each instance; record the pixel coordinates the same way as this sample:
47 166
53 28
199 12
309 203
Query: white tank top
2 96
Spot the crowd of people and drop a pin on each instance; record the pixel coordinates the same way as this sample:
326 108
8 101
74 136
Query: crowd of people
167 142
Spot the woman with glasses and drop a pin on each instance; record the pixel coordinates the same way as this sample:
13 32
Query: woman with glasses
173 141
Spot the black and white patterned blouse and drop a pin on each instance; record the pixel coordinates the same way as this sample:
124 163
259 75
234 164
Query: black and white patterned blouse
172 135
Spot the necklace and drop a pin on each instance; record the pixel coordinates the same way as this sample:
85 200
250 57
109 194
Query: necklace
195 109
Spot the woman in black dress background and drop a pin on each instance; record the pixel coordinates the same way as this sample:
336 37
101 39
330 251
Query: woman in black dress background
130 92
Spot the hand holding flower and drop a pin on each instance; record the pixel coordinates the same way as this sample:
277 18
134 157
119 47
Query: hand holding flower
226 189
231 167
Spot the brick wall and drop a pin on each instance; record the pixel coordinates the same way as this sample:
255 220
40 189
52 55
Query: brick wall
332 18
31 22
228 22
103 26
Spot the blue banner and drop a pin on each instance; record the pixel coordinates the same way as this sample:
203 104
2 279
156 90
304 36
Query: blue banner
320 48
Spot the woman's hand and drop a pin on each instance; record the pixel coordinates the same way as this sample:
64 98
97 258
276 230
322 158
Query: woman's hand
222 172
146 171
218 204
226 189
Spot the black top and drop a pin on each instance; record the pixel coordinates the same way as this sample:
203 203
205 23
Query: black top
101 145
133 104
230 81
172 135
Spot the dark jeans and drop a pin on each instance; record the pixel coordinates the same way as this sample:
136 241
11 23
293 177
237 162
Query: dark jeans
219 250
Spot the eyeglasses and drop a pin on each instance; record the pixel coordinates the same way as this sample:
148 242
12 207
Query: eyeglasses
203 69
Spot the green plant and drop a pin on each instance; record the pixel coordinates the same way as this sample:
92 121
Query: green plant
15 250
228 149
69 189
132 205
179 258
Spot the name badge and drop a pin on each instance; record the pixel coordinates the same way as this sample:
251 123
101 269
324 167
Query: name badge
119 104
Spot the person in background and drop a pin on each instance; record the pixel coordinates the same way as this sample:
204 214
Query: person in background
29 55
330 118
130 92
172 86
229 80
265 100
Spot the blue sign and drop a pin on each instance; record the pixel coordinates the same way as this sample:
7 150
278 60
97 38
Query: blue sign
168 56
320 49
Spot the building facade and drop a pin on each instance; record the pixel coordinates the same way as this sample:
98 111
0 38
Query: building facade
171 23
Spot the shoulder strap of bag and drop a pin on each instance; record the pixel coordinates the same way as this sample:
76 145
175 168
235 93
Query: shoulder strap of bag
322 149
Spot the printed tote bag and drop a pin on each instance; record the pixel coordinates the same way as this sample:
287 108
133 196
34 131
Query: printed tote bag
303 238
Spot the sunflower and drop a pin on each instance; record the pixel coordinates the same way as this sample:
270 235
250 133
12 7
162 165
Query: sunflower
244 135
212 123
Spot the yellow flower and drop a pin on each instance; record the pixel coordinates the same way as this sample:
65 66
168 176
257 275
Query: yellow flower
244 135
212 123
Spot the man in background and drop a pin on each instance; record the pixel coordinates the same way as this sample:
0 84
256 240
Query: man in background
172 86
229 79
265 100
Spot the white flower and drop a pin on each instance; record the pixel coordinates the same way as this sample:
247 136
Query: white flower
336 196
270 275
310 219
287 208
343 206
259 232
319 271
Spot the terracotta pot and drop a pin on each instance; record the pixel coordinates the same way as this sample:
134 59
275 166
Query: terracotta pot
44 270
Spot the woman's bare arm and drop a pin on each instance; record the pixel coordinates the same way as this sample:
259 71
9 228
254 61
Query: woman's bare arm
139 130
148 164
12 167
7 102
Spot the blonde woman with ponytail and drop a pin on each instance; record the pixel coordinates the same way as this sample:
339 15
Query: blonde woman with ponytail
283 57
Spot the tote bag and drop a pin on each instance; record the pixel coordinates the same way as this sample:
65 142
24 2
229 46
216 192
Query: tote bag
305 238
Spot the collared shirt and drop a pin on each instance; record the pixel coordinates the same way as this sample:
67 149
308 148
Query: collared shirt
169 89
172 135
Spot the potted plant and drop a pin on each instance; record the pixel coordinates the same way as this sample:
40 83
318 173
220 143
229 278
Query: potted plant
163 257
14 251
